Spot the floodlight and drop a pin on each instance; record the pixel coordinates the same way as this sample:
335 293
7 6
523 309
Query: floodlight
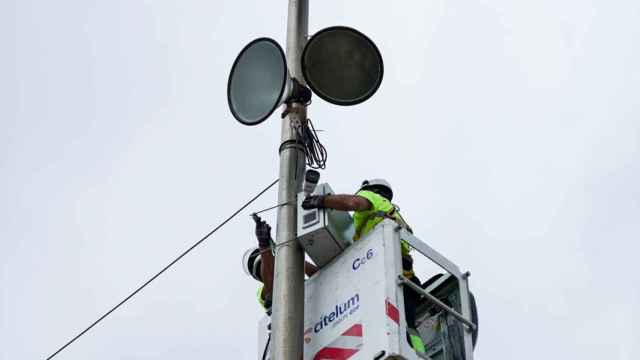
258 81
342 65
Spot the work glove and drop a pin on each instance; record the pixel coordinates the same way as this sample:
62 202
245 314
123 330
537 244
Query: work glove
313 202
263 232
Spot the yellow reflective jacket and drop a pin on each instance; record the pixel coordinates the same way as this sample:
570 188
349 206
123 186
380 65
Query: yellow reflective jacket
365 221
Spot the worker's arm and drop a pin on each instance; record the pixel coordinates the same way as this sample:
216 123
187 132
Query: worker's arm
337 202
263 233
266 272
347 202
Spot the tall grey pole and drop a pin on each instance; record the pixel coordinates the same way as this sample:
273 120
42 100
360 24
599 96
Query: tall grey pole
287 320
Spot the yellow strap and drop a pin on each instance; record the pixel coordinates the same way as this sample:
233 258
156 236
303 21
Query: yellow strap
408 273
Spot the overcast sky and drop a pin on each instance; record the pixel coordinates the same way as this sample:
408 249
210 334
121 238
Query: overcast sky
509 129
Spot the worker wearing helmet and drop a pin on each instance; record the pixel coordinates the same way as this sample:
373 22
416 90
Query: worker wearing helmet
370 206
258 263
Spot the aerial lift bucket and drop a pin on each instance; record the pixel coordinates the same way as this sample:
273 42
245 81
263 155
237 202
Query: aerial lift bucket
354 306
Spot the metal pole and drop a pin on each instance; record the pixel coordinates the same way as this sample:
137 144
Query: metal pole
287 320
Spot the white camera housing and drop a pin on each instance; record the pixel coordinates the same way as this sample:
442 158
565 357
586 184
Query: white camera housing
323 233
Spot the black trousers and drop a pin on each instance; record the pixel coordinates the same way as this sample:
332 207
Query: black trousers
411 302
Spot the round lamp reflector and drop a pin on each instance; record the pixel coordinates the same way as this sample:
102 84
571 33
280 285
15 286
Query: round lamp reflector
342 65
257 81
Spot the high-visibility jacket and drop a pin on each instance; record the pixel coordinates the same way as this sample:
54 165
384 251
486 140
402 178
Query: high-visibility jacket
266 304
260 300
381 208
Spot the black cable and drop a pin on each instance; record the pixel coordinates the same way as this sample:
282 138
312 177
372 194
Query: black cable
163 270
266 347
314 151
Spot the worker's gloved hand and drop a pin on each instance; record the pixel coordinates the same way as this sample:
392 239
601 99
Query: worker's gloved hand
313 202
263 232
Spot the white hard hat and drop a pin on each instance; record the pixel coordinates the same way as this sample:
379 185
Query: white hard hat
251 263
380 186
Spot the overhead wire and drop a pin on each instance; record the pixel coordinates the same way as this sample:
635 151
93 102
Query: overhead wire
276 246
162 271
271 208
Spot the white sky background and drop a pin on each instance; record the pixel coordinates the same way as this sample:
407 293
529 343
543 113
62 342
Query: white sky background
510 131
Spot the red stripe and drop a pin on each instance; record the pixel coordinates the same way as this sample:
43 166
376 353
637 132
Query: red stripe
355 330
330 353
393 312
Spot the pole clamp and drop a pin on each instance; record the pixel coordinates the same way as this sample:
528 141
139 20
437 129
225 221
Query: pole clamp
290 144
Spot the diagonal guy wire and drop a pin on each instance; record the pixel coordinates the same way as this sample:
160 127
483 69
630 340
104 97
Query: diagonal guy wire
162 271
